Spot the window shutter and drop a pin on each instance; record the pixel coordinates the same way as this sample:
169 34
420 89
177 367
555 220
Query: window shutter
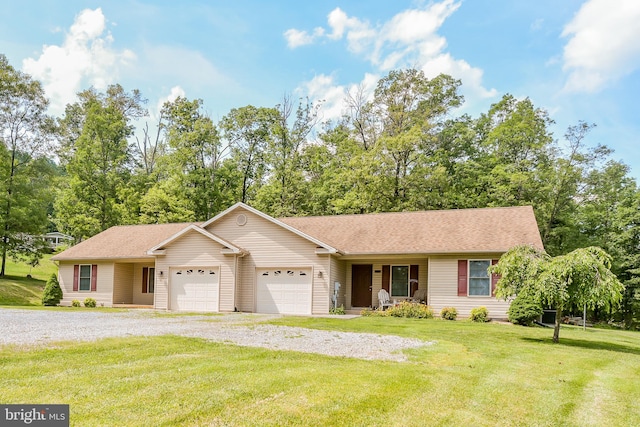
413 277
386 277
94 277
145 279
462 277
494 279
76 277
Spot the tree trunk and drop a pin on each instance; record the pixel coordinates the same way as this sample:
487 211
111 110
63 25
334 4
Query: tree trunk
556 329
5 236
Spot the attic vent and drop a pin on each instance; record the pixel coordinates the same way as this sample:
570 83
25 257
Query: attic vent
241 219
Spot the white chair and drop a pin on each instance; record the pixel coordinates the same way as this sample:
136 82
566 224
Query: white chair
420 295
384 300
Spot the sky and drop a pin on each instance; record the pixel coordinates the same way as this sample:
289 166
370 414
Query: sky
577 59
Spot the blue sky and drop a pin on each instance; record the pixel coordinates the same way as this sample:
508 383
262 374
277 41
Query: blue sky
578 59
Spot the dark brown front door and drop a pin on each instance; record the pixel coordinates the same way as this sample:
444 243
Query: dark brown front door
361 285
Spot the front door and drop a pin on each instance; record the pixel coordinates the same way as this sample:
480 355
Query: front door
361 281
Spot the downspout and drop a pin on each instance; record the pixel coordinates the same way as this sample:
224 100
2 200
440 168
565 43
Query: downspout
236 280
330 281
428 301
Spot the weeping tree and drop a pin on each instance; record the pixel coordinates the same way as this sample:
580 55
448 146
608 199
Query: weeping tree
582 277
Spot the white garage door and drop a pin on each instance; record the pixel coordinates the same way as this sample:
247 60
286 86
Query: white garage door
194 289
283 290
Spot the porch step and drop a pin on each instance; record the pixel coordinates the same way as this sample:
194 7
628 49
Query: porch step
132 306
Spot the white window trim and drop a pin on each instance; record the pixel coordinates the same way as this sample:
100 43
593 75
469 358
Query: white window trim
408 281
469 279
80 277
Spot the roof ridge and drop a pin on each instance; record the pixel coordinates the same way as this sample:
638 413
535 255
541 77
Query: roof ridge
492 208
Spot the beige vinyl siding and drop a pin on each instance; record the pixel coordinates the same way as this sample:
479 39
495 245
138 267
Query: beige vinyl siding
339 274
270 245
104 286
122 276
443 288
377 263
138 296
195 250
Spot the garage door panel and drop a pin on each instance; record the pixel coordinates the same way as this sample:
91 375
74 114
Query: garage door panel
194 289
283 290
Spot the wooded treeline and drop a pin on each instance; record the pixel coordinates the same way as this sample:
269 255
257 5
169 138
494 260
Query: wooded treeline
404 149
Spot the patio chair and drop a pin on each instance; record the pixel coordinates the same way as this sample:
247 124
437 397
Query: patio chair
383 300
420 295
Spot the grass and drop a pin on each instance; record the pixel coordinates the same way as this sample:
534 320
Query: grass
16 289
475 374
43 271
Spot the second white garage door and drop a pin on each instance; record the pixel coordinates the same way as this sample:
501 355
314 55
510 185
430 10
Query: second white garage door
194 289
283 290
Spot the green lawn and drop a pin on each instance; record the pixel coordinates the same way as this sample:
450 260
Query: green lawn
475 374
18 290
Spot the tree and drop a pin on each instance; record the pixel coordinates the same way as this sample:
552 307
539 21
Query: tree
25 134
581 277
285 192
249 131
191 164
95 150
514 157
608 216
409 109
52 293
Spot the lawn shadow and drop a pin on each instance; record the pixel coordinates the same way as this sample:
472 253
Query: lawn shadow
592 345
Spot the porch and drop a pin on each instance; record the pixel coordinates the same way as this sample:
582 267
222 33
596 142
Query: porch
133 284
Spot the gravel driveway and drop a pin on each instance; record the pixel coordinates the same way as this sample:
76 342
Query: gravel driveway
38 327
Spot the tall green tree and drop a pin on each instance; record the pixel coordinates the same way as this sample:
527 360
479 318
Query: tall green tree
190 168
286 189
96 152
514 153
609 216
410 109
249 131
25 135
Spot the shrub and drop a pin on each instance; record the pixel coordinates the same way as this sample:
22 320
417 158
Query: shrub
89 302
479 314
75 303
367 312
52 293
449 313
410 309
524 309
337 310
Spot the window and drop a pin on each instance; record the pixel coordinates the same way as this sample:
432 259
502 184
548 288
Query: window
479 279
149 279
85 277
151 283
400 281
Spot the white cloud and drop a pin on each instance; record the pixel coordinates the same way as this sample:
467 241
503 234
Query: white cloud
296 38
175 93
603 44
408 39
325 90
84 59
470 76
